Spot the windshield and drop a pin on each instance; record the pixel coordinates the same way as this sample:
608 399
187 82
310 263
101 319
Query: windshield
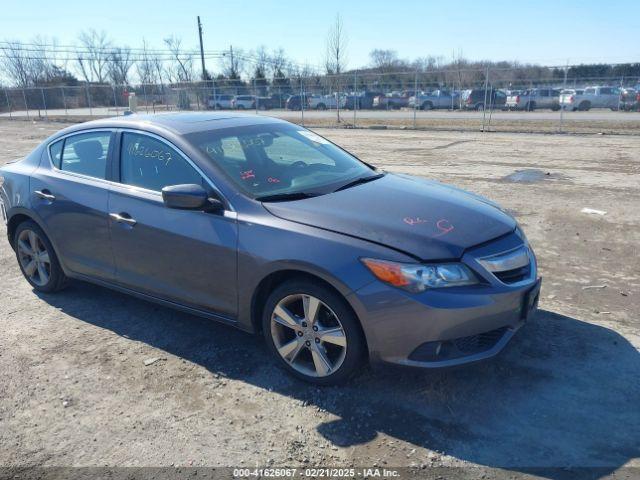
279 159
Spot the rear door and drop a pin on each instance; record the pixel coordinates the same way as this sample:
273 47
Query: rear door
545 98
184 256
70 195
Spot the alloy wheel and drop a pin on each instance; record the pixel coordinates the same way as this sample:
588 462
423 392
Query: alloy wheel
34 257
308 335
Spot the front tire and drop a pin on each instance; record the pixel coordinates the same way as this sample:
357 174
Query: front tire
37 259
312 333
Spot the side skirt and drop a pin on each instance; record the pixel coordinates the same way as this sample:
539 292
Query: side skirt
160 301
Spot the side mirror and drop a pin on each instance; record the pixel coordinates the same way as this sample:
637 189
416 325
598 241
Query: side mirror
190 197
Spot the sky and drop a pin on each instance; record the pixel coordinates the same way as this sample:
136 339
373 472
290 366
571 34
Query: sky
542 31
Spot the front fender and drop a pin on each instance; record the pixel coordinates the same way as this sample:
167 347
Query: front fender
281 245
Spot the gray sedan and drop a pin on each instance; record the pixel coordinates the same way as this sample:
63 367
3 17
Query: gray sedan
271 228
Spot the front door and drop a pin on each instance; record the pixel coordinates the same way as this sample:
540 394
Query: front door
184 256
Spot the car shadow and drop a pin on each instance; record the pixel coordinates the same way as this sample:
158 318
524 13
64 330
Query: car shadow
565 393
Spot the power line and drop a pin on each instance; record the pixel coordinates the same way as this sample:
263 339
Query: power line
49 48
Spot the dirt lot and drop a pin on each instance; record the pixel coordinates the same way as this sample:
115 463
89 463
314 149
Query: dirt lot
74 388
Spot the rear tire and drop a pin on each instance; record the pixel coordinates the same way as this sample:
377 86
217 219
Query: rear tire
326 348
480 107
584 106
37 259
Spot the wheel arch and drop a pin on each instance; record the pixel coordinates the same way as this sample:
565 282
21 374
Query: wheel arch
278 277
18 215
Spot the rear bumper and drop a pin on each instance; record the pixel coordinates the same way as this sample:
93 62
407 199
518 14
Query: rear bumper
445 327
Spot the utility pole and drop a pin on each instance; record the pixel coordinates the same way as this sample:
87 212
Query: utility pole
233 65
564 86
204 70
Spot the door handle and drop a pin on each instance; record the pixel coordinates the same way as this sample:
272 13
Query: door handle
122 218
45 195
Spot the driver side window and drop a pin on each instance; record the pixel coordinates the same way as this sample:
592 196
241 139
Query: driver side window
149 163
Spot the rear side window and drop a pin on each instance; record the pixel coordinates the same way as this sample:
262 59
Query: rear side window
86 154
55 151
152 164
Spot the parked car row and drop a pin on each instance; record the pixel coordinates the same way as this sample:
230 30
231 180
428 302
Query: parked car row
245 102
573 99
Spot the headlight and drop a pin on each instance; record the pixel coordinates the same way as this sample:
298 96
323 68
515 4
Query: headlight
417 278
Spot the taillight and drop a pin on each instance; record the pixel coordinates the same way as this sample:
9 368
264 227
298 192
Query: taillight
571 99
517 98
638 97
469 100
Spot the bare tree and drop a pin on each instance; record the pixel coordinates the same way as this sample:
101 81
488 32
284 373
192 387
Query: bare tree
31 64
261 60
145 66
93 60
384 60
181 69
336 55
120 62
279 63
16 63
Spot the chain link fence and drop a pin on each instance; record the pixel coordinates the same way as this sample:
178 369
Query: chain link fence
485 100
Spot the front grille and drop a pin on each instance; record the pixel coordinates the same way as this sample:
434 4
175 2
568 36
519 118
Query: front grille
510 266
515 275
458 347
481 342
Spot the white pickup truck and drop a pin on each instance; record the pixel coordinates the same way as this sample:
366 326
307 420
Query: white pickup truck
533 99
590 97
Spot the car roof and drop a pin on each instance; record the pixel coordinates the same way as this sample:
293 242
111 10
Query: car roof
181 123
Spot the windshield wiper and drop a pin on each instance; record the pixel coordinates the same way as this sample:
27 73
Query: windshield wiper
277 197
358 181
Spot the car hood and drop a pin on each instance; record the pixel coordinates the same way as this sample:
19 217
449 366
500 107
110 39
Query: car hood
425 219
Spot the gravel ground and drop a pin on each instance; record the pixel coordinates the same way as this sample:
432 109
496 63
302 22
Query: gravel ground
75 390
